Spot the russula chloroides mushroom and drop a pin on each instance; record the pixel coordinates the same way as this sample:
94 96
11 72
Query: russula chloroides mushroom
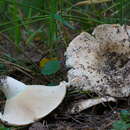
101 63
26 104
78 107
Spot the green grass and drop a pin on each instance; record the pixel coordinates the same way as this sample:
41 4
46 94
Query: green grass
56 15
55 21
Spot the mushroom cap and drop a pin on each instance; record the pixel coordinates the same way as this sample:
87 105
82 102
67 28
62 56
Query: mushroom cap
100 63
33 103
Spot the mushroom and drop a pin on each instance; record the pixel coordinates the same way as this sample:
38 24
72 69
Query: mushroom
80 106
27 103
101 63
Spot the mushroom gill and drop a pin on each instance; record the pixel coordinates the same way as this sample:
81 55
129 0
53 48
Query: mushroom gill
26 104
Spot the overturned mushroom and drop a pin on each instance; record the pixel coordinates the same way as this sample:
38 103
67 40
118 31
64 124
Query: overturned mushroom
101 63
26 104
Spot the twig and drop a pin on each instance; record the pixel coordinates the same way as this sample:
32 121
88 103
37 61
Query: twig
21 67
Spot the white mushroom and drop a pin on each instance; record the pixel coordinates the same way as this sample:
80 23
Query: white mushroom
26 104
101 63
84 104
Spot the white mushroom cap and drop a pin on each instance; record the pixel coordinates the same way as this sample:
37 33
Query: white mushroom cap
101 63
32 103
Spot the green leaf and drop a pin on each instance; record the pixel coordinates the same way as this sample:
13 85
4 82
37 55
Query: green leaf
51 67
120 125
4 128
125 115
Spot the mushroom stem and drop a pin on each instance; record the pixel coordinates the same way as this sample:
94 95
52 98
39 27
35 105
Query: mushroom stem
85 104
11 87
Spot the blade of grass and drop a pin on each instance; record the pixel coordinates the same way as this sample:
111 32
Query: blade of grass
88 2
21 24
16 31
25 19
52 25
27 6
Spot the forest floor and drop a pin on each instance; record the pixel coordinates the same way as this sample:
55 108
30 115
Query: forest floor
99 117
